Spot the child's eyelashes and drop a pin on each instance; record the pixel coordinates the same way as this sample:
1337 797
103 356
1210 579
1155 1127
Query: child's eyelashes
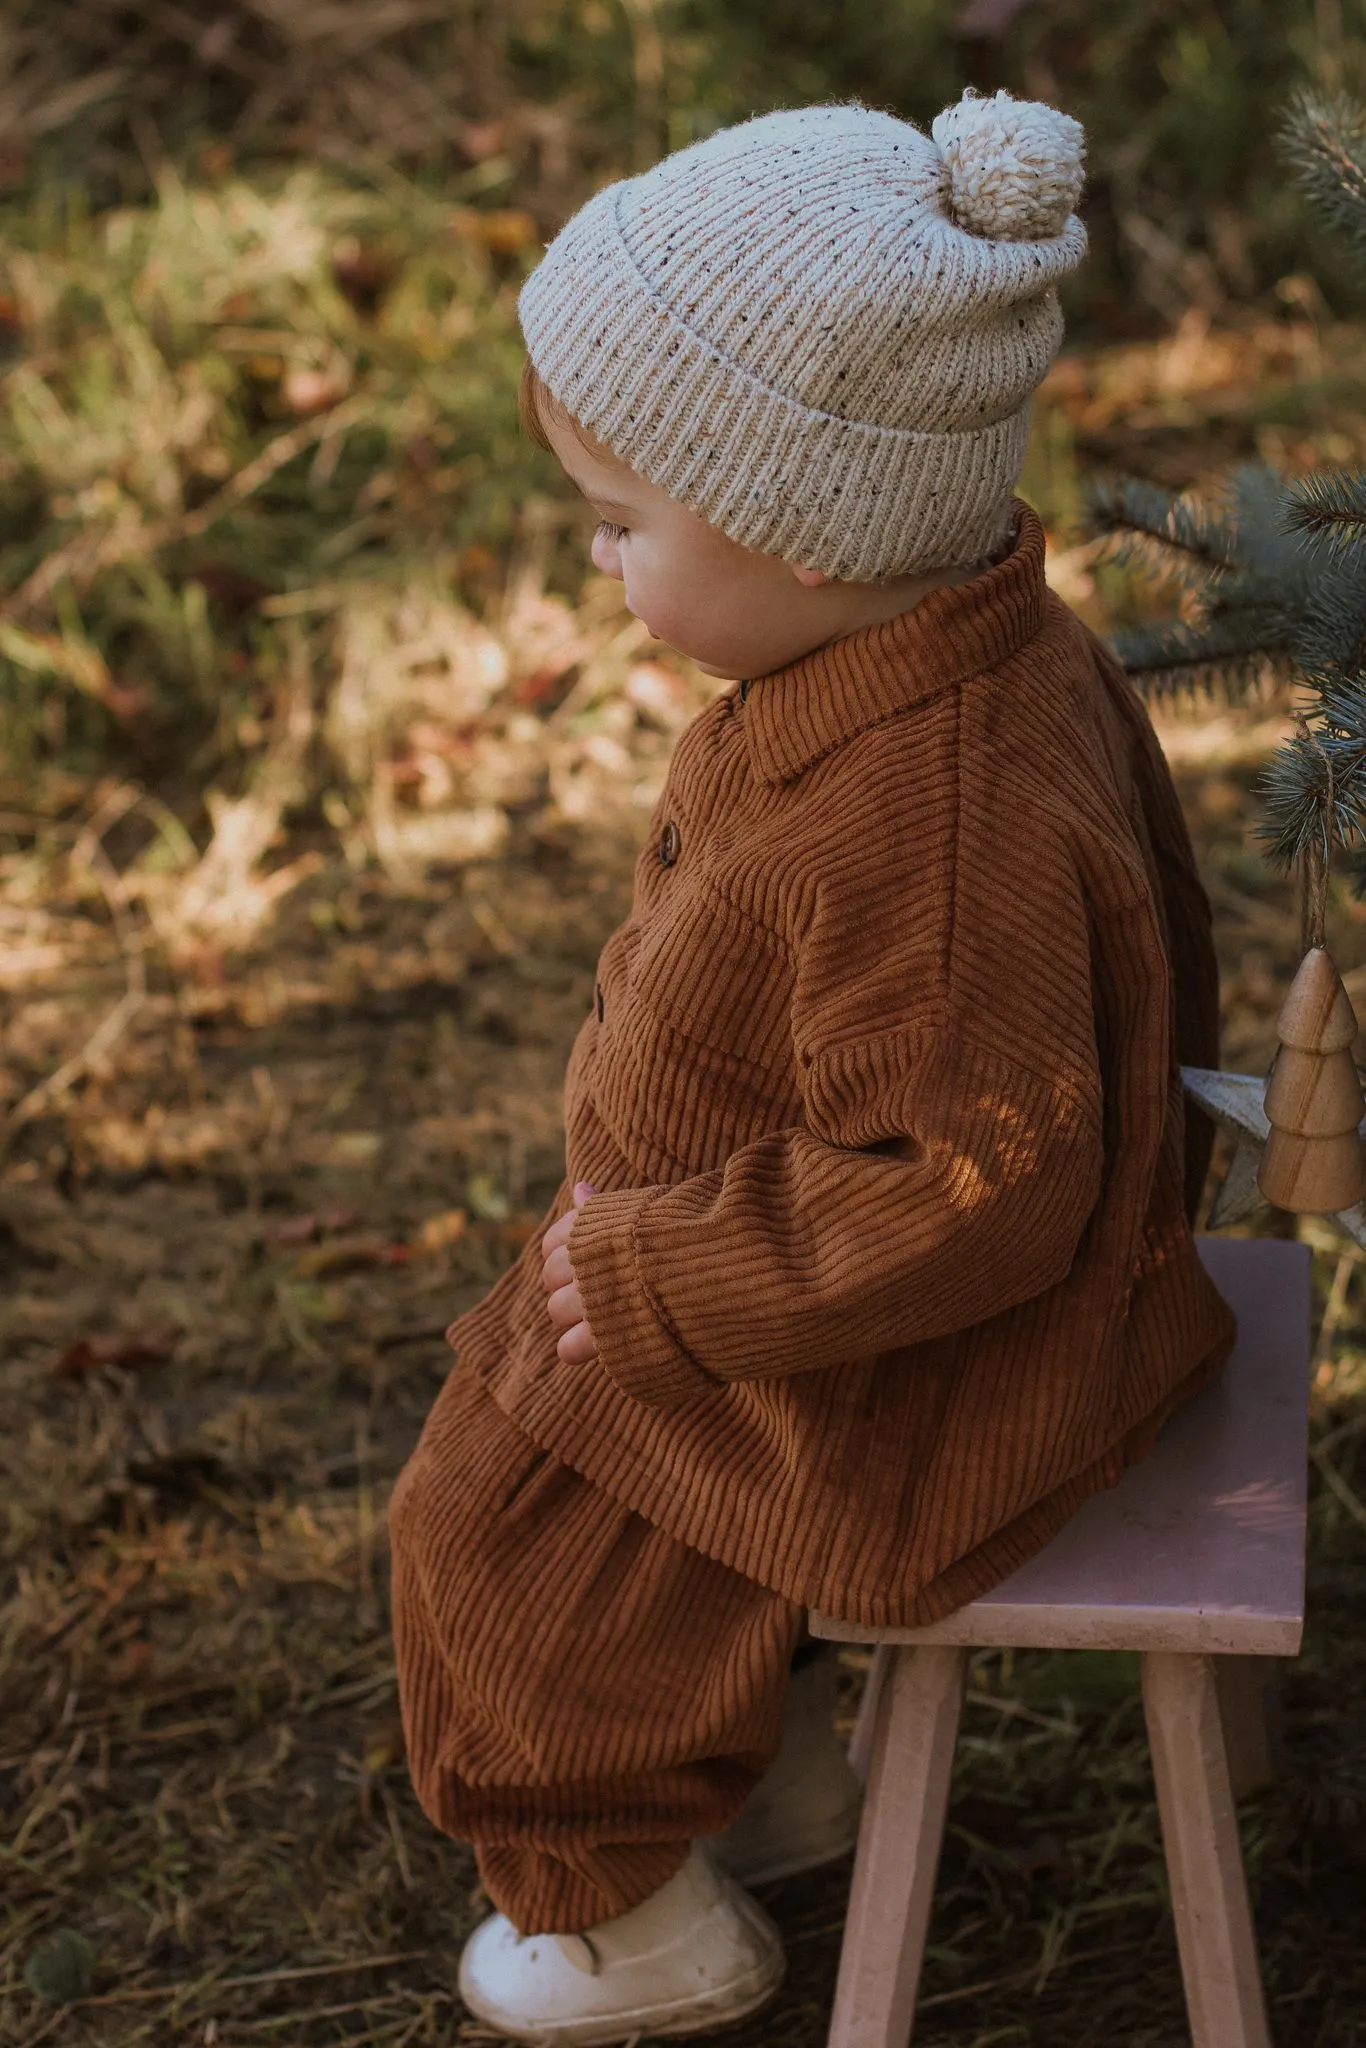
609 530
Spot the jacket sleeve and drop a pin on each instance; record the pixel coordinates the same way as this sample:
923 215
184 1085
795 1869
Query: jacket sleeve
935 1183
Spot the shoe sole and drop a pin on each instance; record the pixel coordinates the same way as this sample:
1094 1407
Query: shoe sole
669 2022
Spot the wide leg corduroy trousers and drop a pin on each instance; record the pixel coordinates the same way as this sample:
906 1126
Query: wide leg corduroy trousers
582 1695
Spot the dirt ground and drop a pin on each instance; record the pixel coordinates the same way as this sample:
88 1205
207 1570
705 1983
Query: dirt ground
244 1188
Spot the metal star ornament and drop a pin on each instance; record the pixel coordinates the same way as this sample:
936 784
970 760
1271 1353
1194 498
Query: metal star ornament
1237 1102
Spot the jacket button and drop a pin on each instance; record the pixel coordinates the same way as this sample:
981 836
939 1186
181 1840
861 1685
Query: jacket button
670 844
598 1002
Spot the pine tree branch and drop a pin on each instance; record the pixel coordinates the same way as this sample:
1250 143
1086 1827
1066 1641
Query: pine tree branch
1313 798
1328 639
1220 658
1328 508
1171 535
1324 141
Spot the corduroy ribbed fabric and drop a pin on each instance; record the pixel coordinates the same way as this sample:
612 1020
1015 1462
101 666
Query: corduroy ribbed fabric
582 1696
891 1264
926 887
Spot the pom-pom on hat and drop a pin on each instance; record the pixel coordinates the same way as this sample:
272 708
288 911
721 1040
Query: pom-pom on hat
821 329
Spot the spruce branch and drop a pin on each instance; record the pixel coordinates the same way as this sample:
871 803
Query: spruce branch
1329 639
1323 139
1313 797
1275 572
1328 508
1225 657
1172 536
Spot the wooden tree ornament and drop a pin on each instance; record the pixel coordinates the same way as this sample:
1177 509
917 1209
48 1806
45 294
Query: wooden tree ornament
1313 1158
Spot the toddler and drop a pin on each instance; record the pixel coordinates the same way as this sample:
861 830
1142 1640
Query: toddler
873 1257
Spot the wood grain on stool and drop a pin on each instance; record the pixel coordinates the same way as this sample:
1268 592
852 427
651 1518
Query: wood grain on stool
1204 1861
921 1699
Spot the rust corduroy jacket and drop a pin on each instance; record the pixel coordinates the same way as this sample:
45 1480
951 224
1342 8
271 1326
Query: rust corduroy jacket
891 1265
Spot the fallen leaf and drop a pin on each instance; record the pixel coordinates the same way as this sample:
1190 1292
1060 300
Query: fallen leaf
133 1663
446 1228
503 230
229 587
91 1354
307 391
661 695
482 139
295 1230
383 1746
361 275
506 1234
342 1255
545 687
343 1216
354 1148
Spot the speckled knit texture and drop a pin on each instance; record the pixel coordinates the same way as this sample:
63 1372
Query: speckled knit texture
821 329
891 1264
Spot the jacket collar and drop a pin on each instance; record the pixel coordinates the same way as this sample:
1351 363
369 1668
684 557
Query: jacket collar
798 713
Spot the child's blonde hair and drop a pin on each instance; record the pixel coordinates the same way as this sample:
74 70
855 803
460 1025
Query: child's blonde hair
533 402
536 403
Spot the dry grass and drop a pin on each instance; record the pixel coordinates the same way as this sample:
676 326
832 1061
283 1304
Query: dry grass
230 1252
281 1097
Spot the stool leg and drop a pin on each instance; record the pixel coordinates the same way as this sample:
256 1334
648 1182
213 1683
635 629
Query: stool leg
1248 1709
898 1848
1204 1860
861 1741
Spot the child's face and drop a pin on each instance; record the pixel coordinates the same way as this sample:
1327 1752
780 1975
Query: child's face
737 613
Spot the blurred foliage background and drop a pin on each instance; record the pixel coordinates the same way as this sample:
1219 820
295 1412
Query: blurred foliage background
258 268
324 760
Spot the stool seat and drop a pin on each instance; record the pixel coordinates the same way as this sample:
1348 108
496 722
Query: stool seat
1200 1547
1196 1560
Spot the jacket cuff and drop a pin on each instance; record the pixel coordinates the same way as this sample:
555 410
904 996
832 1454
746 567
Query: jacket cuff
637 1349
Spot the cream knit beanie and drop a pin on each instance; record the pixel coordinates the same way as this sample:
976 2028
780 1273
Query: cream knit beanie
821 329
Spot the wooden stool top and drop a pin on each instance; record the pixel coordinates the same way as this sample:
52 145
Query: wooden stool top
1200 1547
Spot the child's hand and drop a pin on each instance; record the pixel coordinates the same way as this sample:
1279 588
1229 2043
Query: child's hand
564 1304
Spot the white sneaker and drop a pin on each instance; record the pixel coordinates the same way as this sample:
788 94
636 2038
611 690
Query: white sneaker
804 1811
697 1954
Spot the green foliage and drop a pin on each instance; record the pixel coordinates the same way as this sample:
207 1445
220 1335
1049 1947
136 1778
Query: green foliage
1277 573
546 98
231 405
258 344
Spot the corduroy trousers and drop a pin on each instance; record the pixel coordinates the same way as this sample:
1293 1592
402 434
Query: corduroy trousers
582 1695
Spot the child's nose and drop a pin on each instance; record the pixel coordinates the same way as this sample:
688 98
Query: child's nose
606 555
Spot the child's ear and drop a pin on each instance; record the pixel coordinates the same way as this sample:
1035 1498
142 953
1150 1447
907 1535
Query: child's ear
810 579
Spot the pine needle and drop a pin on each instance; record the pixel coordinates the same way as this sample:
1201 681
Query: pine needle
1324 141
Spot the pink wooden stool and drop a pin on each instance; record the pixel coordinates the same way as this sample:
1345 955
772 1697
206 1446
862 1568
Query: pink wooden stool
1196 1559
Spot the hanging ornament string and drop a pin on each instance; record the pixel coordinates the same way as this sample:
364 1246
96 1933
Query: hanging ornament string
1314 868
